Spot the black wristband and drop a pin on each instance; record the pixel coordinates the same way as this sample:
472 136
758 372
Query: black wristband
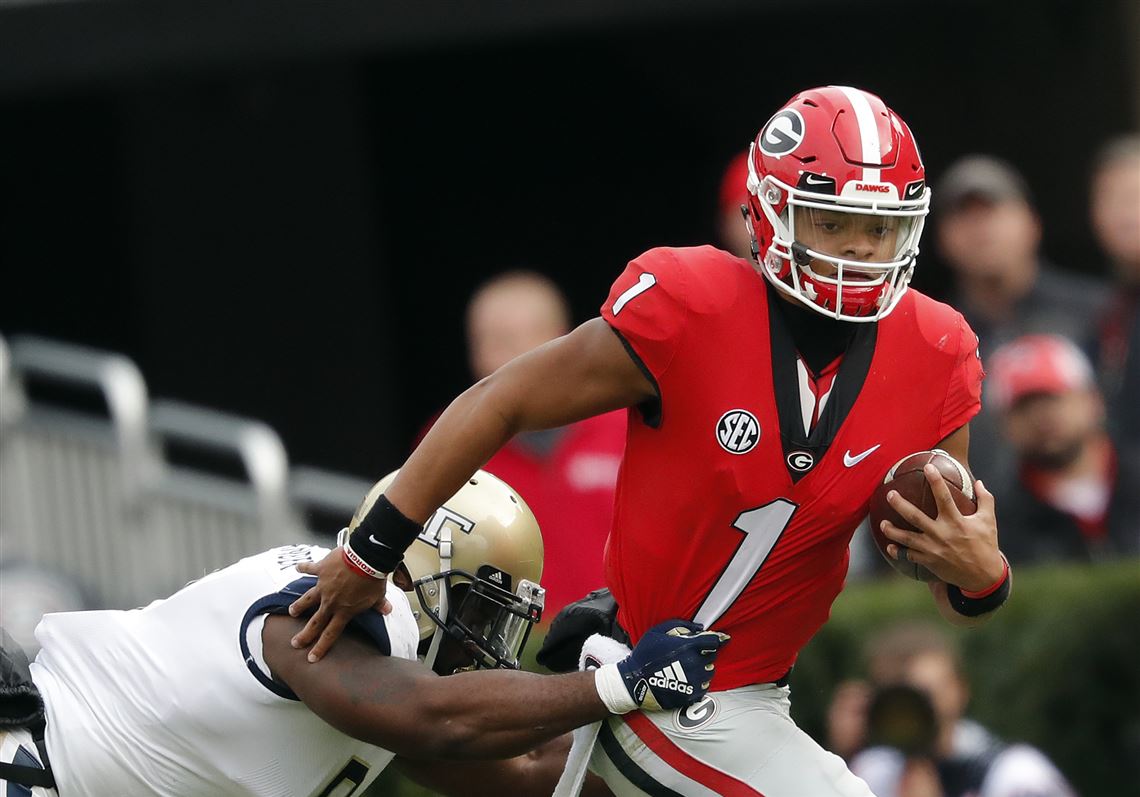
383 536
973 607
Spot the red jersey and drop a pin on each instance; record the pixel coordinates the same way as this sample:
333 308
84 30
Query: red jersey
570 489
729 509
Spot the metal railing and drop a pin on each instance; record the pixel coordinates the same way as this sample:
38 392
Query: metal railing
128 499
73 465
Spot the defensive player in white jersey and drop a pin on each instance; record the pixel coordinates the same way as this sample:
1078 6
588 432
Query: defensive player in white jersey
202 693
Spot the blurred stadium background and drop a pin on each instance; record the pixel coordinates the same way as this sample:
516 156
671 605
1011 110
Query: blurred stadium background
237 239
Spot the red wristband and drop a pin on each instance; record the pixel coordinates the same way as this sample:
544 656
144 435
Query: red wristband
358 565
993 587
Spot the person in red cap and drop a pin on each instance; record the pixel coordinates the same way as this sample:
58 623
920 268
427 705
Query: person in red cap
1070 496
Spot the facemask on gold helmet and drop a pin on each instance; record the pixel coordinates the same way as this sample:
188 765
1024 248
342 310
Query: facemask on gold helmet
474 571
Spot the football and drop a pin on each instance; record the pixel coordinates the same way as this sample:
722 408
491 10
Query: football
907 477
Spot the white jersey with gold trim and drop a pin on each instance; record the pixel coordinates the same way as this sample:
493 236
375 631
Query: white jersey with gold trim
175 698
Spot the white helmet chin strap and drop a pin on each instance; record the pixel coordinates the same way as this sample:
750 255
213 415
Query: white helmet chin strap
444 566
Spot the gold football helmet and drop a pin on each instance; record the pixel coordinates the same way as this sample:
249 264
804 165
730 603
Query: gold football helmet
473 572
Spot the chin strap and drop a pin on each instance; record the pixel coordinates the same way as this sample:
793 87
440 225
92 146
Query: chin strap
444 565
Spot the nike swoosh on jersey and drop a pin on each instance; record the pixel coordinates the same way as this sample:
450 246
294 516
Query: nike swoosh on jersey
852 461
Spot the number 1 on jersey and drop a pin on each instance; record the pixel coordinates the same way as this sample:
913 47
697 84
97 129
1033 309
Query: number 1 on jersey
762 528
644 283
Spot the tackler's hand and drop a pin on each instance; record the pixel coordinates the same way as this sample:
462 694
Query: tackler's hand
339 595
671 666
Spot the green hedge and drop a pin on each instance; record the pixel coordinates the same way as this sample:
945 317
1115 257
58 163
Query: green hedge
1059 667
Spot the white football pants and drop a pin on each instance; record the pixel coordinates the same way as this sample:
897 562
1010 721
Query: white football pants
738 743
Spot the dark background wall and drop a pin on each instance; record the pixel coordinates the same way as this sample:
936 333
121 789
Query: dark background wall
291 231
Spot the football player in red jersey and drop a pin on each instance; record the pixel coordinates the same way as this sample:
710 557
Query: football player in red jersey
765 410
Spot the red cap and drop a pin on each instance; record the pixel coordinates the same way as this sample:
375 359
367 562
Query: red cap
1037 364
733 192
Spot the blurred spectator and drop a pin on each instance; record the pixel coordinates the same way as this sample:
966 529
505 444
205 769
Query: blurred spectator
732 231
566 475
1115 214
1073 497
989 234
847 718
922 744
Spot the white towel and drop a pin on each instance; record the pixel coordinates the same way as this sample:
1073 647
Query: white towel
597 650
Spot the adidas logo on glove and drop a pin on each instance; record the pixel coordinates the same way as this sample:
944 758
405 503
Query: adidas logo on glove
671 667
672 678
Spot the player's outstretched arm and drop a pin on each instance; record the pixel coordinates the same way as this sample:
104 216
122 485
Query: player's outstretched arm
962 550
406 708
534 774
582 374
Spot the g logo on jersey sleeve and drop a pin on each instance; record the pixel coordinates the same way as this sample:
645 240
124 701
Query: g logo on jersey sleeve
738 431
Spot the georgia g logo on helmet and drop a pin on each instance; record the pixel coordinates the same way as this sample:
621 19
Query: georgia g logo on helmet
783 133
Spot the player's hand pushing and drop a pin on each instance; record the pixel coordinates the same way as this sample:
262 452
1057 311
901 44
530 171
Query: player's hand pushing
959 549
671 667
338 596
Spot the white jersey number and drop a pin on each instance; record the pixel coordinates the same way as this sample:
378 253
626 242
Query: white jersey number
644 283
762 528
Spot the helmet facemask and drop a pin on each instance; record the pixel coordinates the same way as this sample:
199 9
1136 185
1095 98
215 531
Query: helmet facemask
490 622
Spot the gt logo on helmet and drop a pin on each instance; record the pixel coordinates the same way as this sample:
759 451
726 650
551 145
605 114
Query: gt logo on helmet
783 133
430 534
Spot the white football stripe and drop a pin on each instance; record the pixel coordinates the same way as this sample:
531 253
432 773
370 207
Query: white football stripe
807 397
823 399
868 131
655 766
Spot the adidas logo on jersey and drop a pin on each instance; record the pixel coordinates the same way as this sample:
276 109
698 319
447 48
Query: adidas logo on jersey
672 678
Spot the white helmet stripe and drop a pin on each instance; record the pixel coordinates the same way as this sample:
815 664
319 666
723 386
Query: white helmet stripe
868 131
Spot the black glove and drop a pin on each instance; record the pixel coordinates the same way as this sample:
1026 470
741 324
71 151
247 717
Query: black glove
574 624
20 702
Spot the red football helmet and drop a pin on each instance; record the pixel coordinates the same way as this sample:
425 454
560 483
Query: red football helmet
837 201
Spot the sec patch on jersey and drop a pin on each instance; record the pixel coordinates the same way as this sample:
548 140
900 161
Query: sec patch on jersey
908 479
